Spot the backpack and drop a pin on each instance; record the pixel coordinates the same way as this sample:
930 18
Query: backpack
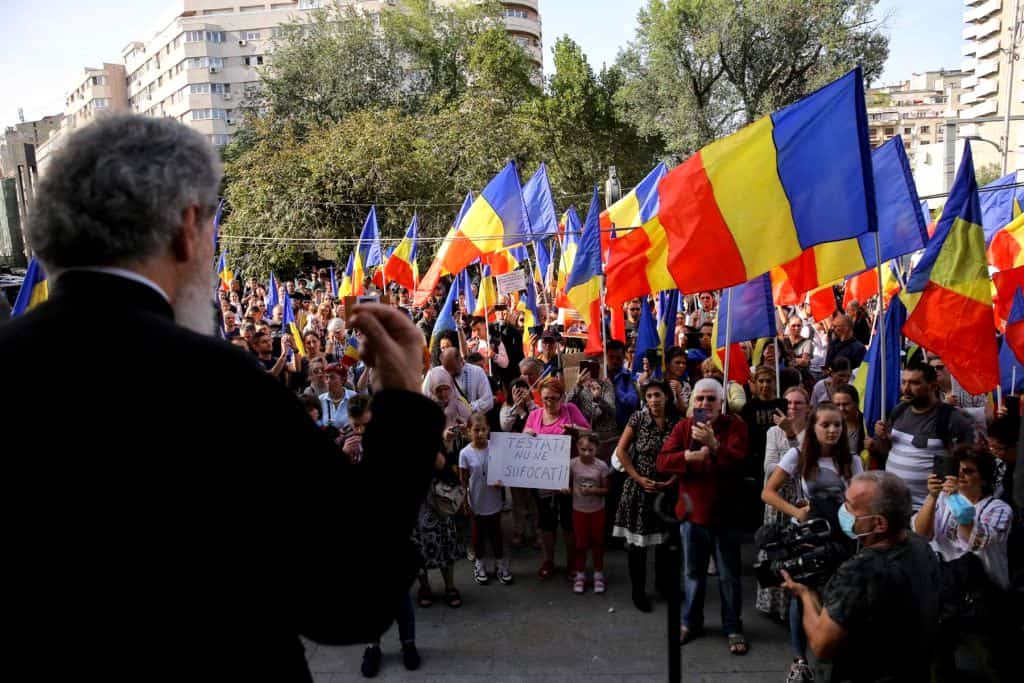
944 413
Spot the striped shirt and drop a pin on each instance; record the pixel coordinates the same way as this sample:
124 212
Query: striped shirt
916 442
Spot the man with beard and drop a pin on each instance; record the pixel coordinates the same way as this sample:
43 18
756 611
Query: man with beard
141 537
920 428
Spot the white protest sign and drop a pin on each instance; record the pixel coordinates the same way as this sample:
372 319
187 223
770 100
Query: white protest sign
510 282
529 462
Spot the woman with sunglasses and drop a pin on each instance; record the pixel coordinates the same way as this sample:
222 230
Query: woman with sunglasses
554 509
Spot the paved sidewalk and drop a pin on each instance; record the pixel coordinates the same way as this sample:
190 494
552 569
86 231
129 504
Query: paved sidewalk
541 631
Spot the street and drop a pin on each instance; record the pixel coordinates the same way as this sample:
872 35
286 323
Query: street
542 631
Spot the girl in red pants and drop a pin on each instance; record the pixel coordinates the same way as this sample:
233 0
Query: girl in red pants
588 478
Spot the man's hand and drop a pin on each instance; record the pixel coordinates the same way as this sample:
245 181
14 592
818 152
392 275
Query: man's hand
882 430
352 446
797 589
391 344
704 434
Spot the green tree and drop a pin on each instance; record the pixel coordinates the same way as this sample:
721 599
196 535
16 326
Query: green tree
699 69
987 173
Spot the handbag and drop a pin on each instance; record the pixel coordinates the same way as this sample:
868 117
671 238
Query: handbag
445 498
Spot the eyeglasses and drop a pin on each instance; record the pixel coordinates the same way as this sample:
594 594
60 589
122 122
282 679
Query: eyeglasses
705 399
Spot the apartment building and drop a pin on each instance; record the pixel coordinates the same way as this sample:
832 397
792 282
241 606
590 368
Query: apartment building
204 56
914 109
992 30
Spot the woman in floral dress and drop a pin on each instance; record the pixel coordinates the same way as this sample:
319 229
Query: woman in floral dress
635 520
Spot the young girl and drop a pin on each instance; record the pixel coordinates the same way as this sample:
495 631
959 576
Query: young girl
484 501
588 479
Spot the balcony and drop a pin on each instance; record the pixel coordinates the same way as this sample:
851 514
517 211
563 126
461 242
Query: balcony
969 48
532 4
969 31
986 67
983 10
987 87
987 48
968 64
988 28
984 108
525 26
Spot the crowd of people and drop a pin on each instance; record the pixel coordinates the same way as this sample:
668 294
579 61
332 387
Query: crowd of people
375 431
785 447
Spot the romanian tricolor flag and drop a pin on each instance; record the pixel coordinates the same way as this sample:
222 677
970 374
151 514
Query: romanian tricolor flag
1000 204
446 317
273 295
486 295
901 229
501 262
540 206
668 308
638 259
583 286
1005 250
646 339
865 285
497 220
350 357
629 212
948 295
572 230
288 321
437 268
347 287
34 289
531 315
368 254
869 374
752 317
1015 326
760 197
224 273
1005 283
401 265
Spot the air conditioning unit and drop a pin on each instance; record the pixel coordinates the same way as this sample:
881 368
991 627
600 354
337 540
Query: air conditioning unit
243 43
213 69
227 96
231 122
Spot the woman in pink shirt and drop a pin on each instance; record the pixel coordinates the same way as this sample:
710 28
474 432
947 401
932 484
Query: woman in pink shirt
554 509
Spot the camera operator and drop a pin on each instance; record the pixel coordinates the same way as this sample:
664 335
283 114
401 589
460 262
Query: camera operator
822 470
877 617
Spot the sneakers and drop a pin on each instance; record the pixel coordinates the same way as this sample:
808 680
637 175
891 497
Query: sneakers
799 672
504 573
579 584
410 656
371 661
480 573
470 555
599 585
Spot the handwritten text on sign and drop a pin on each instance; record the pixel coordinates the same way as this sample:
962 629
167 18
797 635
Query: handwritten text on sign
513 281
529 462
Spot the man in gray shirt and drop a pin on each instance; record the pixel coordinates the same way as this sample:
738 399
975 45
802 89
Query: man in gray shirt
919 429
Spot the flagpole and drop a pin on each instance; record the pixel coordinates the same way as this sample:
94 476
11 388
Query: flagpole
487 324
880 321
604 340
1013 379
778 386
532 265
728 349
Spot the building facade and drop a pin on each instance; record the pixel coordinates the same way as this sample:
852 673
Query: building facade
914 109
992 31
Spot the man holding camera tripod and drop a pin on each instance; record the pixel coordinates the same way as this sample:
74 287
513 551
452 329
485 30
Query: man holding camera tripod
877 617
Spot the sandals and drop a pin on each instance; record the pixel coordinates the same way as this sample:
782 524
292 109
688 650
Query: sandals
424 597
453 598
738 644
546 569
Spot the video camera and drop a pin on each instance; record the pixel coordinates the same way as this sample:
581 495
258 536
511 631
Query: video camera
806 551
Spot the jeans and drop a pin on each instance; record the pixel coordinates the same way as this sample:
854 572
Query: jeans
405 618
797 637
698 543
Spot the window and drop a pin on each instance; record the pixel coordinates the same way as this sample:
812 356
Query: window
220 88
250 35
203 62
908 131
311 4
521 13
220 139
926 129
101 103
890 131
253 60
193 36
215 36
99 80
200 88
201 114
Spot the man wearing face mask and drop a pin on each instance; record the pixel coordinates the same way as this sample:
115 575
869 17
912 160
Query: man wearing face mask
877 618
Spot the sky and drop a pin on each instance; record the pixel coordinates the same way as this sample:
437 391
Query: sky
46 43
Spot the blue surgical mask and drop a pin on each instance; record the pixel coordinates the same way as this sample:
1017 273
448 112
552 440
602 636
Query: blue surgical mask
962 509
847 520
